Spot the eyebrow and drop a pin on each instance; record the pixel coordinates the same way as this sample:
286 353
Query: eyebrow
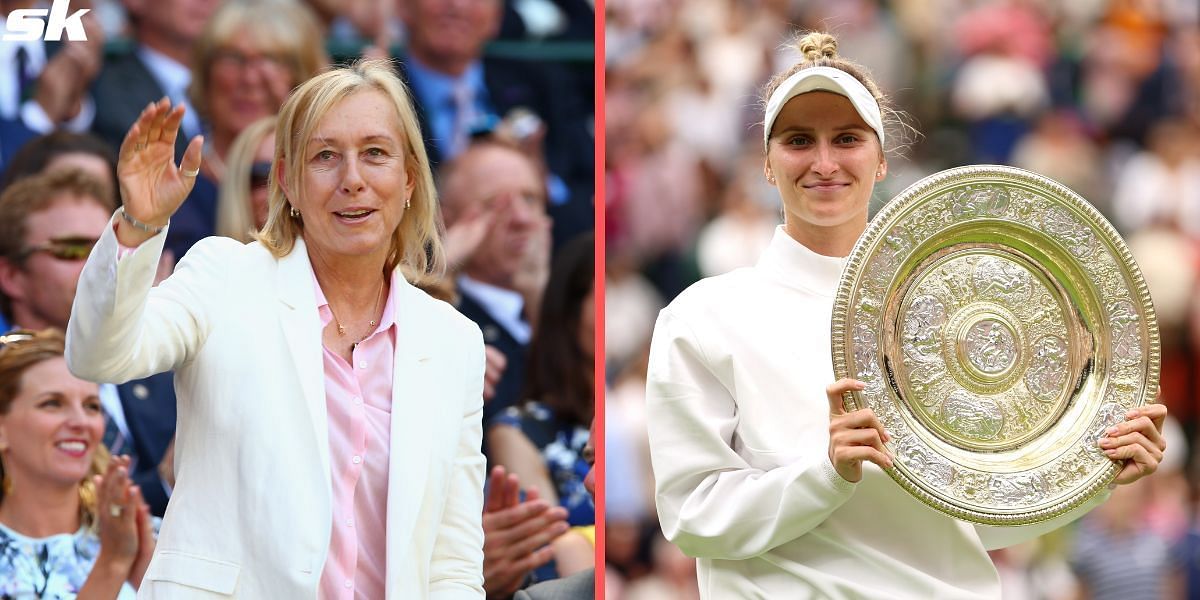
374 137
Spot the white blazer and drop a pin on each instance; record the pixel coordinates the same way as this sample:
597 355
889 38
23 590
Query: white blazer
250 515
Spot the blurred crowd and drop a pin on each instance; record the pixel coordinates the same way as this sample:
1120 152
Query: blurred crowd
504 90
1100 95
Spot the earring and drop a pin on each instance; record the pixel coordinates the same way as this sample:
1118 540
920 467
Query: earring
295 214
771 179
407 203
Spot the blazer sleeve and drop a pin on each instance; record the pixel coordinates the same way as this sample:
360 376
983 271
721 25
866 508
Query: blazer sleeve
121 328
711 502
456 569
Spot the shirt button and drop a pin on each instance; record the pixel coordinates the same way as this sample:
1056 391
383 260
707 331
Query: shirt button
357 401
357 459
349 522
362 364
349 584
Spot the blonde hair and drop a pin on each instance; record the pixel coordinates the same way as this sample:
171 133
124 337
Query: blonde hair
16 358
287 29
235 216
416 243
819 49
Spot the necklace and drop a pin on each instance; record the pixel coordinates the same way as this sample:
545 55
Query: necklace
373 322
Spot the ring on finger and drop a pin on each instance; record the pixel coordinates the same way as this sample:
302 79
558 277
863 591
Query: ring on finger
115 510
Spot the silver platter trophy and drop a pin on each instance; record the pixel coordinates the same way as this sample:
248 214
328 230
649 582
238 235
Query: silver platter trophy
1000 325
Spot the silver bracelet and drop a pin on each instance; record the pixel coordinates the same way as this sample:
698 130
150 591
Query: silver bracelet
140 225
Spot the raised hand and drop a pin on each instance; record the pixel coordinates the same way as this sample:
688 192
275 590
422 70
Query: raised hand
1138 441
152 187
854 436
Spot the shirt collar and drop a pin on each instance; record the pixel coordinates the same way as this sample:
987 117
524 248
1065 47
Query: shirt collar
386 320
172 76
502 304
796 265
435 88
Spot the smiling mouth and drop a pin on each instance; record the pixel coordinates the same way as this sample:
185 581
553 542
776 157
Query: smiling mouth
72 447
354 215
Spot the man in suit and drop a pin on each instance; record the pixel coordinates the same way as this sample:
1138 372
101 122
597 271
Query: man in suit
459 92
48 224
156 65
497 191
43 84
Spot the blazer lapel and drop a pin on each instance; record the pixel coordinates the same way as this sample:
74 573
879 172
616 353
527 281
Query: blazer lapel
302 327
414 419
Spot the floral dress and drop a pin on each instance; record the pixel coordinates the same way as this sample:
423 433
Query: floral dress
561 445
49 568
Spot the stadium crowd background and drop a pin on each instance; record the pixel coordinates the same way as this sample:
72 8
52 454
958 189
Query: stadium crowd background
1101 95
505 92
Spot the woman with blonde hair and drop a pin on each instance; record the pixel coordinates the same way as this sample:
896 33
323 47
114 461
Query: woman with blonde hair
242 201
251 55
64 529
760 471
329 411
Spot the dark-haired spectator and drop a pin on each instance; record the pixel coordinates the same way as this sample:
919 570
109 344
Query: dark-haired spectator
63 149
71 523
459 91
503 269
48 225
542 440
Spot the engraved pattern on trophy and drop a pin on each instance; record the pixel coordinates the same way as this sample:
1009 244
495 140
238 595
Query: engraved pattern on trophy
1019 489
981 307
1066 228
972 416
991 346
1126 333
927 464
866 354
1048 369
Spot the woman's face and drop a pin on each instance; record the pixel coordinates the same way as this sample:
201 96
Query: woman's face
825 161
355 178
258 186
52 427
246 82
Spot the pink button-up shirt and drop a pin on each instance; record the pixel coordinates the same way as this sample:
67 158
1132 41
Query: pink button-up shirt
358 396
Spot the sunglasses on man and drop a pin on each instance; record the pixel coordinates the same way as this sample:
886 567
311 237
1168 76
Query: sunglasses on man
68 248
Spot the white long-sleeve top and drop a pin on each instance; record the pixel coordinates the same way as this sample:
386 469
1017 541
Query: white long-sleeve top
739 434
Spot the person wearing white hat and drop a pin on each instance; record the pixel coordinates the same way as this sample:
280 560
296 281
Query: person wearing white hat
760 471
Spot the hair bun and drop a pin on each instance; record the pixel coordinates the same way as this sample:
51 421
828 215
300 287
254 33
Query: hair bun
817 45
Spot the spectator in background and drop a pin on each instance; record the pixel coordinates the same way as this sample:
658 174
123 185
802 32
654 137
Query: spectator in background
63 530
245 63
459 92
1114 557
157 64
48 225
543 439
1161 185
502 273
44 84
242 202
64 149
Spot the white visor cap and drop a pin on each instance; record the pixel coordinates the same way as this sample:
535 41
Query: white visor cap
826 79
